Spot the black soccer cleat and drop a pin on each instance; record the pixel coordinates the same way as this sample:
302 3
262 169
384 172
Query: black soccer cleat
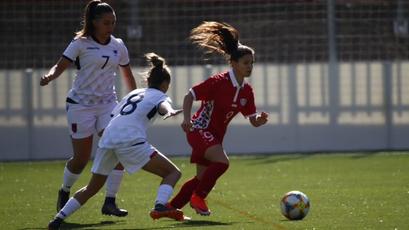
62 199
55 224
110 209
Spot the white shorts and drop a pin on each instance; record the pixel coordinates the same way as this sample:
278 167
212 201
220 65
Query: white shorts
84 121
133 158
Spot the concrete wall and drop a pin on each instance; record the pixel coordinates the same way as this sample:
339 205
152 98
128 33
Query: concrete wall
364 106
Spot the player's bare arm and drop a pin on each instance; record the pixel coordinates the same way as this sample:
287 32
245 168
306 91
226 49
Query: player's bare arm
167 110
259 119
128 77
55 71
187 109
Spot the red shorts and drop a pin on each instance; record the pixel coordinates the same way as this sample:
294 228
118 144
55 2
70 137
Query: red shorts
200 140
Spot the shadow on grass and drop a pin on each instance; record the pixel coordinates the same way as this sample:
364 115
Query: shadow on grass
360 155
66 225
202 223
287 220
102 224
271 159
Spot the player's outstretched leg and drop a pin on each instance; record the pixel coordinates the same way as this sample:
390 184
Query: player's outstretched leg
160 165
79 199
184 194
207 182
111 209
168 211
199 205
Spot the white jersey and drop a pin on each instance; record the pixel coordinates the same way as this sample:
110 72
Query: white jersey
131 118
97 65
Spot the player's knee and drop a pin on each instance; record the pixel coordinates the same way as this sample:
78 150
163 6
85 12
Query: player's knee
221 166
173 175
177 173
80 165
226 166
75 166
81 156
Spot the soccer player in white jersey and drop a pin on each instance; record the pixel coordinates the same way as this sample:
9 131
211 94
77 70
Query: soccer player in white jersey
124 140
97 55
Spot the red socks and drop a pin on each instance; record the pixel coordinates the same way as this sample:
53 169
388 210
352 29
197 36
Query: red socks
202 187
210 176
183 196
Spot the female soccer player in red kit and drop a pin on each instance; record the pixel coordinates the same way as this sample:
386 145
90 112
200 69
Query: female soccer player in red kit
222 96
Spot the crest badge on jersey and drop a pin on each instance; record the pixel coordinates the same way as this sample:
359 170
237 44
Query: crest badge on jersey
243 101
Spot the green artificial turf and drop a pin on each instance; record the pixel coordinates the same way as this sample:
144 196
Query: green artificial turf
346 191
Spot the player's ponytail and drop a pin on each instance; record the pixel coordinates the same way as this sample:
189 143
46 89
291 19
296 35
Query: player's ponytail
220 38
93 10
155 60
159 71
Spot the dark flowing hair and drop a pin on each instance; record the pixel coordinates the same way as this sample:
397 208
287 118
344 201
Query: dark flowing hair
220 38
93 10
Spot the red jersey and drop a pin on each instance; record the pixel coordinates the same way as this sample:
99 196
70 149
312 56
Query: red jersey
222 98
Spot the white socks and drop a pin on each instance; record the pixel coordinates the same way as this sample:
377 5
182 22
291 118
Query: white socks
113 181
164 193
112 184
69 179
69 208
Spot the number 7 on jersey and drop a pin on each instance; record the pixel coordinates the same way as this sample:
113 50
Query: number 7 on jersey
106 61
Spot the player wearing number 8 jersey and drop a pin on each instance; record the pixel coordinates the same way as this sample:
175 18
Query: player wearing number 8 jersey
222 96
124 140
97 55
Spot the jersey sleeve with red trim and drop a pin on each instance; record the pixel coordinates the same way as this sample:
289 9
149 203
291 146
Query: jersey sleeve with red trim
73 50
204 91
250 108
124 56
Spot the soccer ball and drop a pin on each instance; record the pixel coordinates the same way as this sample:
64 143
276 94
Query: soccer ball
295 205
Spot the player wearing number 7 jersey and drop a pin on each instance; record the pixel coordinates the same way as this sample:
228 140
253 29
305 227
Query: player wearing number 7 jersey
222 96
125 141
97 55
